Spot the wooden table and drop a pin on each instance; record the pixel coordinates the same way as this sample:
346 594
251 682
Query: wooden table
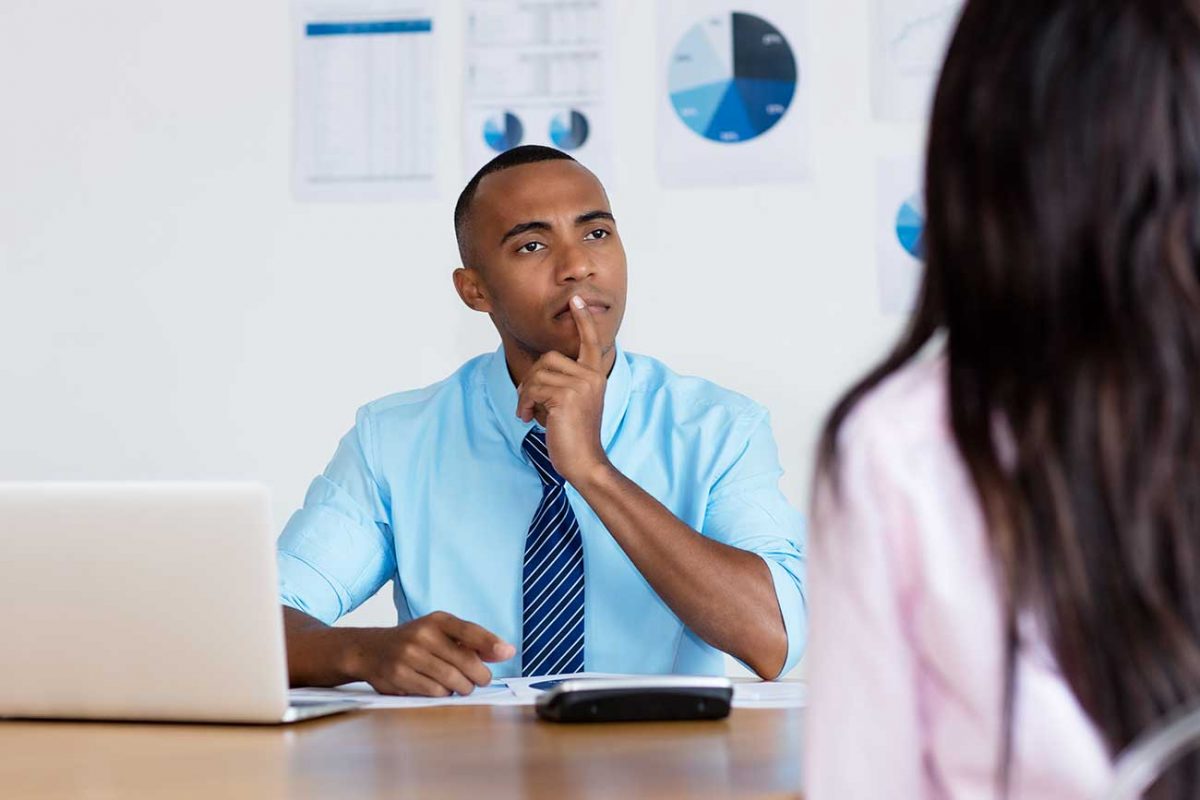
480 751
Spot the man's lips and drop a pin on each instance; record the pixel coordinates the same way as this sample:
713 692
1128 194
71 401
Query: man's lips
594 305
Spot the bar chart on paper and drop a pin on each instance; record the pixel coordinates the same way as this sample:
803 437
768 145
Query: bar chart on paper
364 105
732 77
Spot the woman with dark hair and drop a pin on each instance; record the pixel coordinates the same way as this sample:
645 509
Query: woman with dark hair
1006 562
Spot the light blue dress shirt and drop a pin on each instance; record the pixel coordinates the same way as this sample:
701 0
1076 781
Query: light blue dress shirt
431 490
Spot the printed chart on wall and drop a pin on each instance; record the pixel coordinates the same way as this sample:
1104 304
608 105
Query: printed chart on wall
899 231
365 126
537 72
909 41
732 86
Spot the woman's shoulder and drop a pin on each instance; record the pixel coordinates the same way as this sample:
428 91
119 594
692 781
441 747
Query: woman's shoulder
900 478
908 409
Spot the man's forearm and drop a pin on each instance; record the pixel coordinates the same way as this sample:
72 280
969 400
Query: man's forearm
724 594
317 654
435 655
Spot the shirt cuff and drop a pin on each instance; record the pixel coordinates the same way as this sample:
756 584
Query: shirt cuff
789 592
304 588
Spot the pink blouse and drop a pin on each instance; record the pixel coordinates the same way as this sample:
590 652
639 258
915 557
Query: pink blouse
905 665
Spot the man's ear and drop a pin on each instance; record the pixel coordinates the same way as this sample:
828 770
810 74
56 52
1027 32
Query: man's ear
469 285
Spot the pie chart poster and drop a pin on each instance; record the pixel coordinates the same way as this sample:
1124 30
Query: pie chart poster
733 92
899 231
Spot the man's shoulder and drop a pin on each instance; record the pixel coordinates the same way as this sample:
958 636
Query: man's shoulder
687 397
431 399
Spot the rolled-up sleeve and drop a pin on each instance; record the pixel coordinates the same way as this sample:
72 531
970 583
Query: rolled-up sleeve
746 509
337 551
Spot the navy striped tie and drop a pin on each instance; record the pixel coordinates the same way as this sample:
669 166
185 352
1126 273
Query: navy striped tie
552 624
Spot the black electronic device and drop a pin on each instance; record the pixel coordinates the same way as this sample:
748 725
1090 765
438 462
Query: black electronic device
636 700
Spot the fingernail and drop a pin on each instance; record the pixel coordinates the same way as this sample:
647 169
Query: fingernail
577 301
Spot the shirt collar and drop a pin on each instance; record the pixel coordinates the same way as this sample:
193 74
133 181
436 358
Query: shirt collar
502 396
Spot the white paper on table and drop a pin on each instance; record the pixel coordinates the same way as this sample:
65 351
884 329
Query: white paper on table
522 692
497 694
770 694
365 115
732 87
539 73
525 688
909 39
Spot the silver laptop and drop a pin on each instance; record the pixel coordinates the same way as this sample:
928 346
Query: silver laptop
142 601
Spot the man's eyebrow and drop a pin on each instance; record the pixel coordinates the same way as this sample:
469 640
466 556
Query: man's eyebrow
592 216
525 227
539 225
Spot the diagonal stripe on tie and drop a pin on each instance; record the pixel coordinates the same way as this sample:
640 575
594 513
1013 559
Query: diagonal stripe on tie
560 590
545 534
554 498
553 577
555 647
550 594
576 652
558 603
548 565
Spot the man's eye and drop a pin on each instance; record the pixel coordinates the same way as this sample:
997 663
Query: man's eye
599 233
532 247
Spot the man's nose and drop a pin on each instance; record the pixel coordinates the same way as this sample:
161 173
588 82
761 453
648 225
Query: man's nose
575 265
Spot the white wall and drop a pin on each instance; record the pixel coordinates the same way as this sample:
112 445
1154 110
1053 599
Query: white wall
168 311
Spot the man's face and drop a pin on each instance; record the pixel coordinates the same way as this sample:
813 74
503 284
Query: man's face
540 234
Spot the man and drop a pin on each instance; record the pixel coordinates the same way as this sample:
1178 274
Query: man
556 506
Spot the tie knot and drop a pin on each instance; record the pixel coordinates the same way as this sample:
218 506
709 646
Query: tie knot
535 447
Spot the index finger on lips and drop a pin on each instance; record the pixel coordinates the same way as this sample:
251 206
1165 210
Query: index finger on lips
591 353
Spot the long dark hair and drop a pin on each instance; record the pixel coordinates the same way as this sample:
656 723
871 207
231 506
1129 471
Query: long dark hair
1062 255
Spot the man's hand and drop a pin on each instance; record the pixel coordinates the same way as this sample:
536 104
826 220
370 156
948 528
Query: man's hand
435 656
567 397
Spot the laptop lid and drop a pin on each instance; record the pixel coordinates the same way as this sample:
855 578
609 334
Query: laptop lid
148 601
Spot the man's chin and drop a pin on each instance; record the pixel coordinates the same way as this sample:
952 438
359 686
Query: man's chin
571 349
561 342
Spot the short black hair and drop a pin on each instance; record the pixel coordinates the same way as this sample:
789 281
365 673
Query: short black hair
516 157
